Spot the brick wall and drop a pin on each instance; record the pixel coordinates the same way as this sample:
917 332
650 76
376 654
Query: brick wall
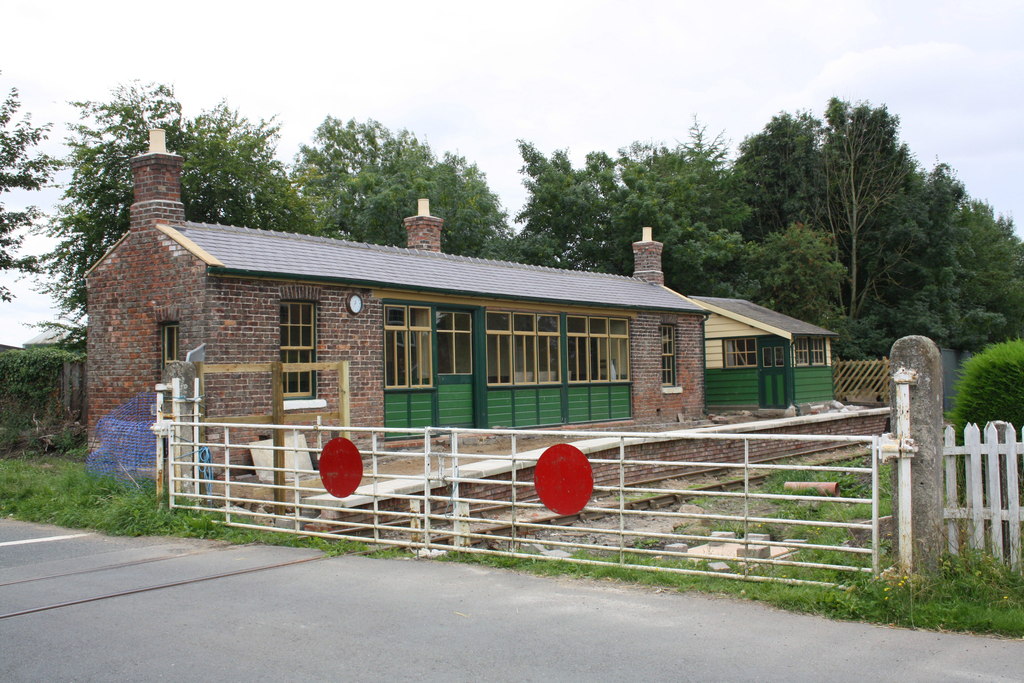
147 280
245 328
651 403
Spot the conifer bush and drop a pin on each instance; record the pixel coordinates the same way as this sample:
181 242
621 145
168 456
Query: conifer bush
991 387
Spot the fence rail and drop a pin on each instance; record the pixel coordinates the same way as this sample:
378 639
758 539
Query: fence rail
436 491
861 381
983 491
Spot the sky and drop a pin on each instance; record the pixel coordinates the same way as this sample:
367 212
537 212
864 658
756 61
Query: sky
475 77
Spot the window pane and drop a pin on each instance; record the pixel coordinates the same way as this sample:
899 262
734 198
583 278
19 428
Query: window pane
419 317
445 353
598 326
463 321
618 327
445 320
576 325
463 354
524 322
394 316
547 323
498 321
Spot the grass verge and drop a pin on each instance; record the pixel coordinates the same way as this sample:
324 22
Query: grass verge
61 492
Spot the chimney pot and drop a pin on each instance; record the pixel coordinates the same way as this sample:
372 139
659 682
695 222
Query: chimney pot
648 232
423 207
157 141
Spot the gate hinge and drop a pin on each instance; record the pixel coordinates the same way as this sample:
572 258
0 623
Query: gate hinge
892 448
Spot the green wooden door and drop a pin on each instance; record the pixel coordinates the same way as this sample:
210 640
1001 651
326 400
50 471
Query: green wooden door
772 372
454 332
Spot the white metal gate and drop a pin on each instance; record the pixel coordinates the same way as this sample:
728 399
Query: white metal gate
474 491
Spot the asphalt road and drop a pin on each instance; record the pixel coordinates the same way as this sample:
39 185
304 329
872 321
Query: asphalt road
359 619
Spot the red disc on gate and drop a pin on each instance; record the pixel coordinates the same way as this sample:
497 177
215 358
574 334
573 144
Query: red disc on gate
563 479
341 467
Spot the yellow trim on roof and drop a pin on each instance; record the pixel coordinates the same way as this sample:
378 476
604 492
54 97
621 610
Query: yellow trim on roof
190 246
741 318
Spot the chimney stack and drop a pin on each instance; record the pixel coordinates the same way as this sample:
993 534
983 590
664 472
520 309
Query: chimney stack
647 259
157 180
424 230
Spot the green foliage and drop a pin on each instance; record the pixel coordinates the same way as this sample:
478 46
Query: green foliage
28 377
363 180
31 418
20 169
797 273
229 175
991 387
780 174
588 218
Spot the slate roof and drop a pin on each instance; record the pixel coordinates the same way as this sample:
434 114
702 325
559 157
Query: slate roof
765 315
267 253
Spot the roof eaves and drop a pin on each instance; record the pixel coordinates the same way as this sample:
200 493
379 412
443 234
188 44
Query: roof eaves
264 275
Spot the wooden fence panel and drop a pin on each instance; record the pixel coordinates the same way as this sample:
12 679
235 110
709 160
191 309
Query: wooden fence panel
987 508
861 381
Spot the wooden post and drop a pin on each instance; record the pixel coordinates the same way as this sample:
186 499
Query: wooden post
344 414
277 416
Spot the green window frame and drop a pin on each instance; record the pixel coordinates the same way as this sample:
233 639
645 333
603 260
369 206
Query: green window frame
523 348
298 345
668 355
408 353
598 349
740 352
168 343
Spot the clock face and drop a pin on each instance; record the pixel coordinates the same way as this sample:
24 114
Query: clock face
354 303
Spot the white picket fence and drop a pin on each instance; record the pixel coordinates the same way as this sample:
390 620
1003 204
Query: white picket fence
983 491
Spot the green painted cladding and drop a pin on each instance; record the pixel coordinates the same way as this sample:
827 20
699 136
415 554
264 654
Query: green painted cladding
455 405
597 402
732 387
409 409
524 406
813 384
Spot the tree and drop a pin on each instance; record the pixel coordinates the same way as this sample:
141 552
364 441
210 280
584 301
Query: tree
796 273
229 175
21 168
363 180
866 168
588 218
780 174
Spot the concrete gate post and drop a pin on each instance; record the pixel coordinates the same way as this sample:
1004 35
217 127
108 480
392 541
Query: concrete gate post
922 358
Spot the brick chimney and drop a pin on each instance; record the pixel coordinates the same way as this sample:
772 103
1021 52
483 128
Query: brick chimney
424 230
647 259
157 176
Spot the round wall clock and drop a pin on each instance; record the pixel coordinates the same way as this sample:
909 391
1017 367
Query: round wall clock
354 304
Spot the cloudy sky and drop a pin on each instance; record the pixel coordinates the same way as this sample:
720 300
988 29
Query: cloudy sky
473 77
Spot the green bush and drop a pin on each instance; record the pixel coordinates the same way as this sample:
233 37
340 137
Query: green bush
31 417
991 387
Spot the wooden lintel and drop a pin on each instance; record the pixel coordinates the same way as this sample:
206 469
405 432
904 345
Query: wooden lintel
244 419
211 368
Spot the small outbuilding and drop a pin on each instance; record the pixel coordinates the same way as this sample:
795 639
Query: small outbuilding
430 339
758 358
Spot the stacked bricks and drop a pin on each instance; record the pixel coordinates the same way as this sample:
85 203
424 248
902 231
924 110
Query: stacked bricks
147 280
647 259
424 232
652 404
